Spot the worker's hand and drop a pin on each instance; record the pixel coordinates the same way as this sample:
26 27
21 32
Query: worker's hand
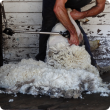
76 14
73 39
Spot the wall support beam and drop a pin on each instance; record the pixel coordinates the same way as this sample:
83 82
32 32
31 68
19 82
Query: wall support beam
1 53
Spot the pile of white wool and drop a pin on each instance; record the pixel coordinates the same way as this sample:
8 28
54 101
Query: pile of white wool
36 77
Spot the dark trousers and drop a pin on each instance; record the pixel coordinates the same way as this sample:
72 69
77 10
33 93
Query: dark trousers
48 22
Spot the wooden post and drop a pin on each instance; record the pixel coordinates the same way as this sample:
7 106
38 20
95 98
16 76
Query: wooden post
1 53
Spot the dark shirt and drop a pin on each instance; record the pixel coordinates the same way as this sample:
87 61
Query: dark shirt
76 4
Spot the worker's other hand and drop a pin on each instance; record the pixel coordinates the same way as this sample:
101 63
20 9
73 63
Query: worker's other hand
73 39
76 14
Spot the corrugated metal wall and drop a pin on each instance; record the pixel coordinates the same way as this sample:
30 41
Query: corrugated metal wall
26 15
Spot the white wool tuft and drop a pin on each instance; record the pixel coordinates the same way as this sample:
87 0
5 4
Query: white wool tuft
64 56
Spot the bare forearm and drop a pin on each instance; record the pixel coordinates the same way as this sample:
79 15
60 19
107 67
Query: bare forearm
100 5
61 14
92 12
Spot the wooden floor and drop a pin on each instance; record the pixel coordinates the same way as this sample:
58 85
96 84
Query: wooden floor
89 102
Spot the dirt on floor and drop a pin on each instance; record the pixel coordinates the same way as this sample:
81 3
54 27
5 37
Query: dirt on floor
89 101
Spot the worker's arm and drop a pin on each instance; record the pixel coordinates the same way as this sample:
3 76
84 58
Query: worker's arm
100 4
61 14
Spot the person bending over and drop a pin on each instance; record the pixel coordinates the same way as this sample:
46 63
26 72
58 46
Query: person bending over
54 10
